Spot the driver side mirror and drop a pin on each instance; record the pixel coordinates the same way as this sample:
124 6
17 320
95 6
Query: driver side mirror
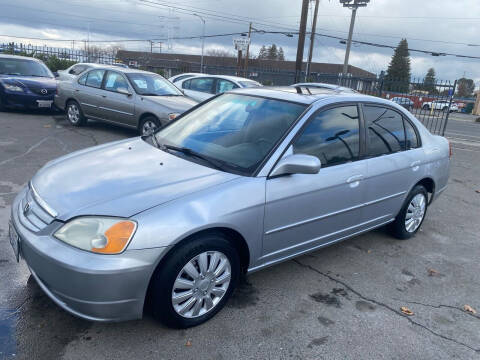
297 164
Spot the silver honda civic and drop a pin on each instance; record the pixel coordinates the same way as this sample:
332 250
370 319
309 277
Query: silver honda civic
250 178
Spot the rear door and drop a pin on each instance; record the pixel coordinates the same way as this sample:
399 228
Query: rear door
304 211
117 101
394 163
199 88
88 92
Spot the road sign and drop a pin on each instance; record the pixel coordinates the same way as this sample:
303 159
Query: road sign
241 43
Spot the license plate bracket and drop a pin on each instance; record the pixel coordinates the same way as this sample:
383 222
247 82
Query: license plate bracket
14 240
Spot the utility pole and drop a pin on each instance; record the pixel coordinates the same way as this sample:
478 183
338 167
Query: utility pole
203 40
301 40
248 50
353 5
312 40
239 62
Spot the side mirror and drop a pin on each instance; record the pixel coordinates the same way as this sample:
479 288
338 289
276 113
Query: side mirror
56 74
297 164
124 91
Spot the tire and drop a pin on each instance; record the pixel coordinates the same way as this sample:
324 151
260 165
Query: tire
74 114
164 282
426 107
445 109
399 228
148 125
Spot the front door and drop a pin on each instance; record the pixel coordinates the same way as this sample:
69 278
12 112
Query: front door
305 211
117 100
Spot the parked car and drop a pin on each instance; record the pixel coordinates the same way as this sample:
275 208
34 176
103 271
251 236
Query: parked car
312 85
131 98
403 101
179 77
249 179
25 83
204 87
439 105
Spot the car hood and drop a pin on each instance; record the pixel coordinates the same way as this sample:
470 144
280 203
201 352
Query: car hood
30 81
120 179
178 104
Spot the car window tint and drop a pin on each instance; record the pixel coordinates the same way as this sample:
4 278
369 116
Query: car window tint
94 78
201 84
384 130
115 81
82 79
224 85
411 136
186 84
332 136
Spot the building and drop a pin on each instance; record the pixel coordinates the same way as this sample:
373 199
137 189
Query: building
268 72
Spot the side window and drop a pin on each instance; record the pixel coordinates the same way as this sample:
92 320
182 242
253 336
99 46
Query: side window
411 136
201 84
115 81
385 130
186 84
332 136
77 69
82 79
224 85
94 78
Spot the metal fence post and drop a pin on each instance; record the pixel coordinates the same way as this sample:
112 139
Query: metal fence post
449 105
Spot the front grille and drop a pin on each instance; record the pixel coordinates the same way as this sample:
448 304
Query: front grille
35 218
38 91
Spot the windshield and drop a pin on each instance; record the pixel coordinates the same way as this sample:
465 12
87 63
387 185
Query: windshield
235 130
152 84
24 67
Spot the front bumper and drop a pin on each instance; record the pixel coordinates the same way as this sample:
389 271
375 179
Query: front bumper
24 100
92 286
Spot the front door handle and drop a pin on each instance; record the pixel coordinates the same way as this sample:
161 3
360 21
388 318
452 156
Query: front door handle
415 165
354 180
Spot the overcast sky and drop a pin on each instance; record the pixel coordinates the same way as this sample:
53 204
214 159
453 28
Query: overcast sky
434 25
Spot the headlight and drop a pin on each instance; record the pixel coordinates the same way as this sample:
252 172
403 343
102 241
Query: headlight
172 116
98 234
11 87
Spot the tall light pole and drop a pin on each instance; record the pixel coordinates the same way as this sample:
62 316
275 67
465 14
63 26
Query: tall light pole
301 40
353 5
203 40
312 40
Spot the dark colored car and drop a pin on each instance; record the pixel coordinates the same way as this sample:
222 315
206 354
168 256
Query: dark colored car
25 83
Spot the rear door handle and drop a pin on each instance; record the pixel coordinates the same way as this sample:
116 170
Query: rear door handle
354 180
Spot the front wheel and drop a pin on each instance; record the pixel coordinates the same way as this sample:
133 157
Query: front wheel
411 216
149 125
74 114
195 281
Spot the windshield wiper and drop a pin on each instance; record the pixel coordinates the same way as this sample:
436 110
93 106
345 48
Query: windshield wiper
216 164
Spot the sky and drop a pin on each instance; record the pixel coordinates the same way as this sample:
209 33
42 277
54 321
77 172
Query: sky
444 26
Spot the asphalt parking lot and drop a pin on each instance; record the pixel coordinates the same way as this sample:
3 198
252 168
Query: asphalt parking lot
342 302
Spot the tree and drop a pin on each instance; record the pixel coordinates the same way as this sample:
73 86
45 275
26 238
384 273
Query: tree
465 87
262 55
398 72
281 55
272 52
429 81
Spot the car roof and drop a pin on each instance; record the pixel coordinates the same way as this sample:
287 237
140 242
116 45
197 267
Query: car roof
116 68
19 57
323 85
289 93
226 77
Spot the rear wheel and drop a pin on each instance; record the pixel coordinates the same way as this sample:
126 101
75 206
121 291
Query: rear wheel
74 114
426 107
412 214
195 281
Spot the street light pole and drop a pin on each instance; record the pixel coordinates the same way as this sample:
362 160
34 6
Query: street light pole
353 5
301 40
312 40
203 40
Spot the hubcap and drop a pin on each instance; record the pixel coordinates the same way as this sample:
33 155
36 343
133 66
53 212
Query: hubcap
148 127
415 213
201 284
73 114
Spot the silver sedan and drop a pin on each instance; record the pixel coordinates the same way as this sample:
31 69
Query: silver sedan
250 178
127 97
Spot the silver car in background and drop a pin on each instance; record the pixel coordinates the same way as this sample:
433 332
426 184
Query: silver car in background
248 179
128 97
